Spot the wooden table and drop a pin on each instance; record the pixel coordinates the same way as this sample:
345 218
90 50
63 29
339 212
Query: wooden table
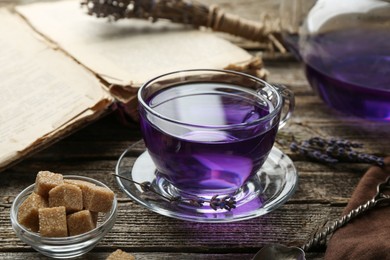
322 193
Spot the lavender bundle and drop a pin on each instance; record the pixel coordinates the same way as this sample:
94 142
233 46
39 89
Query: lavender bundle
333 151
187 12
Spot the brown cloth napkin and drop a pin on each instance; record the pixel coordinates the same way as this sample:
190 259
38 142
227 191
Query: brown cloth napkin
368 236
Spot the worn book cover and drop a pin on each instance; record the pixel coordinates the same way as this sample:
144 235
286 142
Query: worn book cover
61 68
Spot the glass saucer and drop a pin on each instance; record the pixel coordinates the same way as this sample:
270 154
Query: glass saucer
273 184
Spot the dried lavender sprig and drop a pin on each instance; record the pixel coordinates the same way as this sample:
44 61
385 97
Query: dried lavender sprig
333 142
312 153
227 202
333 151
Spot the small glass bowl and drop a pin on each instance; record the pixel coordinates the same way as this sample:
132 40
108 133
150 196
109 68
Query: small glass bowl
63 247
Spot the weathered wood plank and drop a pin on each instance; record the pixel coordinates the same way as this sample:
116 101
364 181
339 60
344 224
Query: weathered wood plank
138 229
148 256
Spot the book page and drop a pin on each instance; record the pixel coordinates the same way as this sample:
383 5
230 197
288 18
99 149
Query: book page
55 61
42 89
129 51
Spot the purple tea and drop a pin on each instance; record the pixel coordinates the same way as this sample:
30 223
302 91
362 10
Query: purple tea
216 146
351 70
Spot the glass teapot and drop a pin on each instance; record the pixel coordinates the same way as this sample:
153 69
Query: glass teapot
345 48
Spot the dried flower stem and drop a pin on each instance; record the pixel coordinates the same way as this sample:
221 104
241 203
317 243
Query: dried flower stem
145 186
188 12
226 202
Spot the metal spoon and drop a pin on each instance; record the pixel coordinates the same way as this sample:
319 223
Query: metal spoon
281 252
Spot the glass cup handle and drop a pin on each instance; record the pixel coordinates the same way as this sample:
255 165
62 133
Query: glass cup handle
288 103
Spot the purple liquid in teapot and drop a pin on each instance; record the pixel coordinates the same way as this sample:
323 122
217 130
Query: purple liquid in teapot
351 71
200 160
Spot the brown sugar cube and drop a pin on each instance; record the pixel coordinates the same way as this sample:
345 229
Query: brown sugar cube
80 222
52 222
80 183
98 199
28 211
83 185
95 217
45 181
120 255
67 195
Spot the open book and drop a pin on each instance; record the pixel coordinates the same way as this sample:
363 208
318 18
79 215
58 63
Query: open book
61 68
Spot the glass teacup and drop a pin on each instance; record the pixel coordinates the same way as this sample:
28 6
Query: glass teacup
209 131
